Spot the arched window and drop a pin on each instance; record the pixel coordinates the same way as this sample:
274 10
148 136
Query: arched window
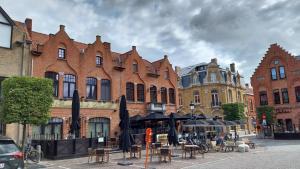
163 93
230 100
135 67
171 95
263 98
153 94
140 93
99 59
99 127
62 51
196 97
91 88
130 91
105 90
215 98
69 85
54 77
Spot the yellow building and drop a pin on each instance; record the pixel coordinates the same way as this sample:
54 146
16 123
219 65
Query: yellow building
209 86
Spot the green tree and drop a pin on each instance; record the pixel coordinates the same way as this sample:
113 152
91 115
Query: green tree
233 111
26 100
268 111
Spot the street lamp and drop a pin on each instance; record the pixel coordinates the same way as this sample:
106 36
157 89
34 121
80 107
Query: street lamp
192 107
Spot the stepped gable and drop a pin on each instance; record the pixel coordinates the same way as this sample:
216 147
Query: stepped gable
272 48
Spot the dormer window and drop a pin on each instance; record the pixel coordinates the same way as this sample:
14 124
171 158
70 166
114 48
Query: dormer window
99 60
135 67
61 53
5 30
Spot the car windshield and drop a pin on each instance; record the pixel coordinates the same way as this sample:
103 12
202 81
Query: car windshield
8 146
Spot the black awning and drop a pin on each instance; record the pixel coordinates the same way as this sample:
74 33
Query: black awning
214 123
135 118
196 123
155 117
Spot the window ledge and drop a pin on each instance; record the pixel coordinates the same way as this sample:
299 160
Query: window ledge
63 59
99 66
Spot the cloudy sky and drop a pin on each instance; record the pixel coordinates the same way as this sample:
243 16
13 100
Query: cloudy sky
188 31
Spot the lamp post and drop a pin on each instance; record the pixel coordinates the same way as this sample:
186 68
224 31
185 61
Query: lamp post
192 107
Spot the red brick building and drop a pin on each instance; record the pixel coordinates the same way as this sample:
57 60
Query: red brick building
101 77
276 83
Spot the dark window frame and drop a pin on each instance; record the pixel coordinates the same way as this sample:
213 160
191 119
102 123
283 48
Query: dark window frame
55 78
263 98
273 77
69 79
105 90
91 83
172 99
276 96
140 92
153 94
99 60
281 73
130 92
61 53
164 95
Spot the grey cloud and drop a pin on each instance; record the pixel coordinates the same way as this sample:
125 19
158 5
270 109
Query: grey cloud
188 31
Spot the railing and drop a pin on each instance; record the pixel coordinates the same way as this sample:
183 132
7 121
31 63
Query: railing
161 107
216 104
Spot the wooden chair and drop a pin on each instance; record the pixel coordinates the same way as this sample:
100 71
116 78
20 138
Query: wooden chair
91 153
136 149
165 152
100 153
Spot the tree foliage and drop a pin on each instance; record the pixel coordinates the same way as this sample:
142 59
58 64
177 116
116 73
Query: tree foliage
26 100
233 111
268 111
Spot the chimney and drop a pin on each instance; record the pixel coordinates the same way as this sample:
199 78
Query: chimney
62 27
165 56
28 23
51 35
107 45
133 47
214 60
98 38
232 67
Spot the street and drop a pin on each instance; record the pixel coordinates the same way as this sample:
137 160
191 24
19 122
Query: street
269 154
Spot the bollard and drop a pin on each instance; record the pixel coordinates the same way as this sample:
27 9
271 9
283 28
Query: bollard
39 149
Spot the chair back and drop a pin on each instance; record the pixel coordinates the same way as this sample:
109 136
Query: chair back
164 151
100 152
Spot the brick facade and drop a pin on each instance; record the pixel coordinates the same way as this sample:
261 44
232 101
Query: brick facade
280 88
80 60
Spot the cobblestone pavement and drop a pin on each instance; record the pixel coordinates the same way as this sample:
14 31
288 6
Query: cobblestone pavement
269 154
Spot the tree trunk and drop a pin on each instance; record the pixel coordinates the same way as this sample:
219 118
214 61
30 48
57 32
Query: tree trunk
24 137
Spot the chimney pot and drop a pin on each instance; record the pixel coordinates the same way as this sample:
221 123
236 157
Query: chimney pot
61 27
98 38
165 56
133 47
107 45
28 23
232 67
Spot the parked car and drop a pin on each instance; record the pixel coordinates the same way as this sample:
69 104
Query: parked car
11 157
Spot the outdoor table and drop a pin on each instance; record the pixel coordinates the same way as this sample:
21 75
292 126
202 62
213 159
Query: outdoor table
106 154
191 148
136 149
